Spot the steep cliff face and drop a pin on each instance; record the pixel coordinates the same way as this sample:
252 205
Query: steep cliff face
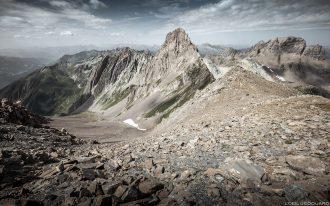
150 87
288 48
112 80
278 46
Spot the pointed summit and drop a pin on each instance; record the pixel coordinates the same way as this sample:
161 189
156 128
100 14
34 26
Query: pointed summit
178 34
178 41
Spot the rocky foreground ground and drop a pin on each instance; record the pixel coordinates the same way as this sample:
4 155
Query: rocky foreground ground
255 143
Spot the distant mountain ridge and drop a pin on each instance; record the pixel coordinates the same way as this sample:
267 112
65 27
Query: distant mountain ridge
50 55
327 52
13 68
209 49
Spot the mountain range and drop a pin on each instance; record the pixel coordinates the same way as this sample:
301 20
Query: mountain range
147 86
183 125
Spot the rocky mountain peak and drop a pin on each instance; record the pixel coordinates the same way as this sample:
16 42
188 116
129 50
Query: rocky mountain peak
292 44
178 41
178 33
288 45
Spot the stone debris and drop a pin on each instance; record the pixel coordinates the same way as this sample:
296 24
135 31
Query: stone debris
273 151
15 113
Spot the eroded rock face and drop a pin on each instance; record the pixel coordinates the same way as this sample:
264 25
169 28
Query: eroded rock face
288 46
315 51
163 82
295 45
178 42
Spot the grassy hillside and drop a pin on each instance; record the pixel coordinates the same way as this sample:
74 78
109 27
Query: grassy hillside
48 91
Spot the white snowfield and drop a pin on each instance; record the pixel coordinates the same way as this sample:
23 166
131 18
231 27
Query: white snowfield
133 124
281 78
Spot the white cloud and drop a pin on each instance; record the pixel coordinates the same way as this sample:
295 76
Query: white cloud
49 33
62 15
96 4
66 33
152 19
13 21
117 33
60 4
252 15
18 36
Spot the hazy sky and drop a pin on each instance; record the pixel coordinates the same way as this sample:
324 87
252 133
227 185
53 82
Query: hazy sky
26 23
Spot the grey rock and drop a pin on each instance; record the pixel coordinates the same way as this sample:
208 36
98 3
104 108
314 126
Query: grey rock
114 164
30 202
245 170
88 174
96 188
150 186
87 165
102 200
131 194
121 189
84 192
149 164
1 169
295 193
110 188
159 170
60 167
315 51
70 201
85 201
309 165
213 192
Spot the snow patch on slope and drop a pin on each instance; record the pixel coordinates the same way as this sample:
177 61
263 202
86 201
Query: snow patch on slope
281 78
133 124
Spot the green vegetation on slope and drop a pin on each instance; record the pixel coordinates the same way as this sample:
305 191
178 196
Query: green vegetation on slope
185 97
324 107
163 106
199 79
313 90
116 97
48 91
180 97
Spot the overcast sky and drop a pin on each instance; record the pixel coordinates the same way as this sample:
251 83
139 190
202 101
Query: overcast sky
26 23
